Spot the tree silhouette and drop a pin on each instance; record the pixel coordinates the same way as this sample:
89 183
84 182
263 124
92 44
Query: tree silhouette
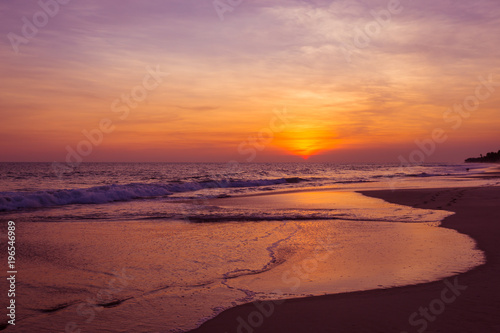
490 157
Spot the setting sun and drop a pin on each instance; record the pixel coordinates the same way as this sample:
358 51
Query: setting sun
306 141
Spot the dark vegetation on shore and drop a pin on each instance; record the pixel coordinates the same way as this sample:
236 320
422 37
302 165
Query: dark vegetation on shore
491 157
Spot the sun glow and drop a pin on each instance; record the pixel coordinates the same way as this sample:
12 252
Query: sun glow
306 142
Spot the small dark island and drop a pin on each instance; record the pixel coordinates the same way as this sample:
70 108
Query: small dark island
491 157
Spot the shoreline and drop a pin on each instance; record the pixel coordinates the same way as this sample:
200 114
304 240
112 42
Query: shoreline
474 309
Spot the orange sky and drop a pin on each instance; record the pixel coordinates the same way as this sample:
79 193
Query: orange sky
228 79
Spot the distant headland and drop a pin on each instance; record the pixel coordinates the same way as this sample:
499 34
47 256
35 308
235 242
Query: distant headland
491 157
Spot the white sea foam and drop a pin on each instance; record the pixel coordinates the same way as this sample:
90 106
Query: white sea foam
109 193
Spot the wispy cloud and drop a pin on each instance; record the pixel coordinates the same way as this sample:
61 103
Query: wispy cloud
227 77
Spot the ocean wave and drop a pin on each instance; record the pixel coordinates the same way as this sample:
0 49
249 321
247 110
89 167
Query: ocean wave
260 218
353 181
211 213
110 193
411 175
315 215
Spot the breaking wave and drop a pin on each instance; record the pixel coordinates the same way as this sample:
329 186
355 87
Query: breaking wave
109 193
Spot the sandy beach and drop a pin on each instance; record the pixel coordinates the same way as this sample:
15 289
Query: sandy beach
188 272
284 258
468 302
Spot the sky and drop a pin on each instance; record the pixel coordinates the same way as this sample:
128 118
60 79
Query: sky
249 81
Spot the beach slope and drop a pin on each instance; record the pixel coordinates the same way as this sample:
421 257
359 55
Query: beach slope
468 302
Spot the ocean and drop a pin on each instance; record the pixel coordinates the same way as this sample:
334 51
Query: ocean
40 185
162 247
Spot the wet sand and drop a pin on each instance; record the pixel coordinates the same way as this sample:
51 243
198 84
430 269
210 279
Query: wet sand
156 276
467 302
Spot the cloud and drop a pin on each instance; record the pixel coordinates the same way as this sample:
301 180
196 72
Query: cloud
227 76
198 108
